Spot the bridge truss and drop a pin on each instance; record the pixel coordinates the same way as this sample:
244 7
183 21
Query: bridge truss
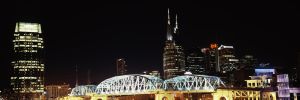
129 84
83 90
193 82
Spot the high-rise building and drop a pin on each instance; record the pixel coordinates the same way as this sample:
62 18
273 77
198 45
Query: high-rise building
195 63
55 92
211 58
227 60
283 87
173 56
121 66
248 62
27 78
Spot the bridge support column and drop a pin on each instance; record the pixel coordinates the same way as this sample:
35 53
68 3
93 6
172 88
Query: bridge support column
164 96
221 94
99 97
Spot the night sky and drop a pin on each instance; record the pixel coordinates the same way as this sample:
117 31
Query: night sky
92 35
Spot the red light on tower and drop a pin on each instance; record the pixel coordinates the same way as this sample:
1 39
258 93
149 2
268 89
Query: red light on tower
213 46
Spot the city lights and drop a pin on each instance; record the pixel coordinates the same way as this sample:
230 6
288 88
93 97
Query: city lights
132 51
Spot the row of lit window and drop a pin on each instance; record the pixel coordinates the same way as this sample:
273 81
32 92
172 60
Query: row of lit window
23 77
22 45
24 34
31 89
26 51
28 64
29 67
32 39
27 61
27 43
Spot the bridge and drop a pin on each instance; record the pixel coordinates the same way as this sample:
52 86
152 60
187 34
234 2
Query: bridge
146 84
146 87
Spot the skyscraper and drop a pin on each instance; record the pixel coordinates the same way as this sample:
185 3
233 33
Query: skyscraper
227 61
211 58
173 56
27 78
195 63
121 66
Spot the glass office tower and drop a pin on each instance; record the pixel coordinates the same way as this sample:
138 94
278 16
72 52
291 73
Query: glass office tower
28 66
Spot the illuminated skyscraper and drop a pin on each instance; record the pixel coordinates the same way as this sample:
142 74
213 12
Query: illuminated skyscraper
28 65
227 61
121 66
173 56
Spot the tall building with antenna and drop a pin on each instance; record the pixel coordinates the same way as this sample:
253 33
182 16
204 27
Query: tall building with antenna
27 78
173 55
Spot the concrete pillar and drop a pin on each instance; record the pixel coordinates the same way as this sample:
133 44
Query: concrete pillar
167 96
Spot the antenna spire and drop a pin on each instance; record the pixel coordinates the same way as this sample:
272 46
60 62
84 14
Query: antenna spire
169 30
176 25
169 23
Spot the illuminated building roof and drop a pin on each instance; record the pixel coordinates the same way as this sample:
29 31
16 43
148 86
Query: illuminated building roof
28 27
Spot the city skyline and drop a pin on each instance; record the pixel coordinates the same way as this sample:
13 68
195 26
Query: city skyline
93 40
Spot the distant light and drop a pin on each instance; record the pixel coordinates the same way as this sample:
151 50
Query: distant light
225 47
213 46
188 73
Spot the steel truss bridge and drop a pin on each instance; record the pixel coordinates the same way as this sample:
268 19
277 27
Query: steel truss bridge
145 84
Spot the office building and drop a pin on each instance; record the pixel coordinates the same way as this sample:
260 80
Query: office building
211 58
27 78
121 66
227 60
195 63
54 92
248 62
173 55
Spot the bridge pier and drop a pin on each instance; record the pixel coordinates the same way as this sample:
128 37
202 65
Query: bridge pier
164 96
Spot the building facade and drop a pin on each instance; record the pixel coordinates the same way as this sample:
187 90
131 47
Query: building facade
155 73
195 64
227 60
121 66
211 58
28 64
54 92
248 62
173 55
